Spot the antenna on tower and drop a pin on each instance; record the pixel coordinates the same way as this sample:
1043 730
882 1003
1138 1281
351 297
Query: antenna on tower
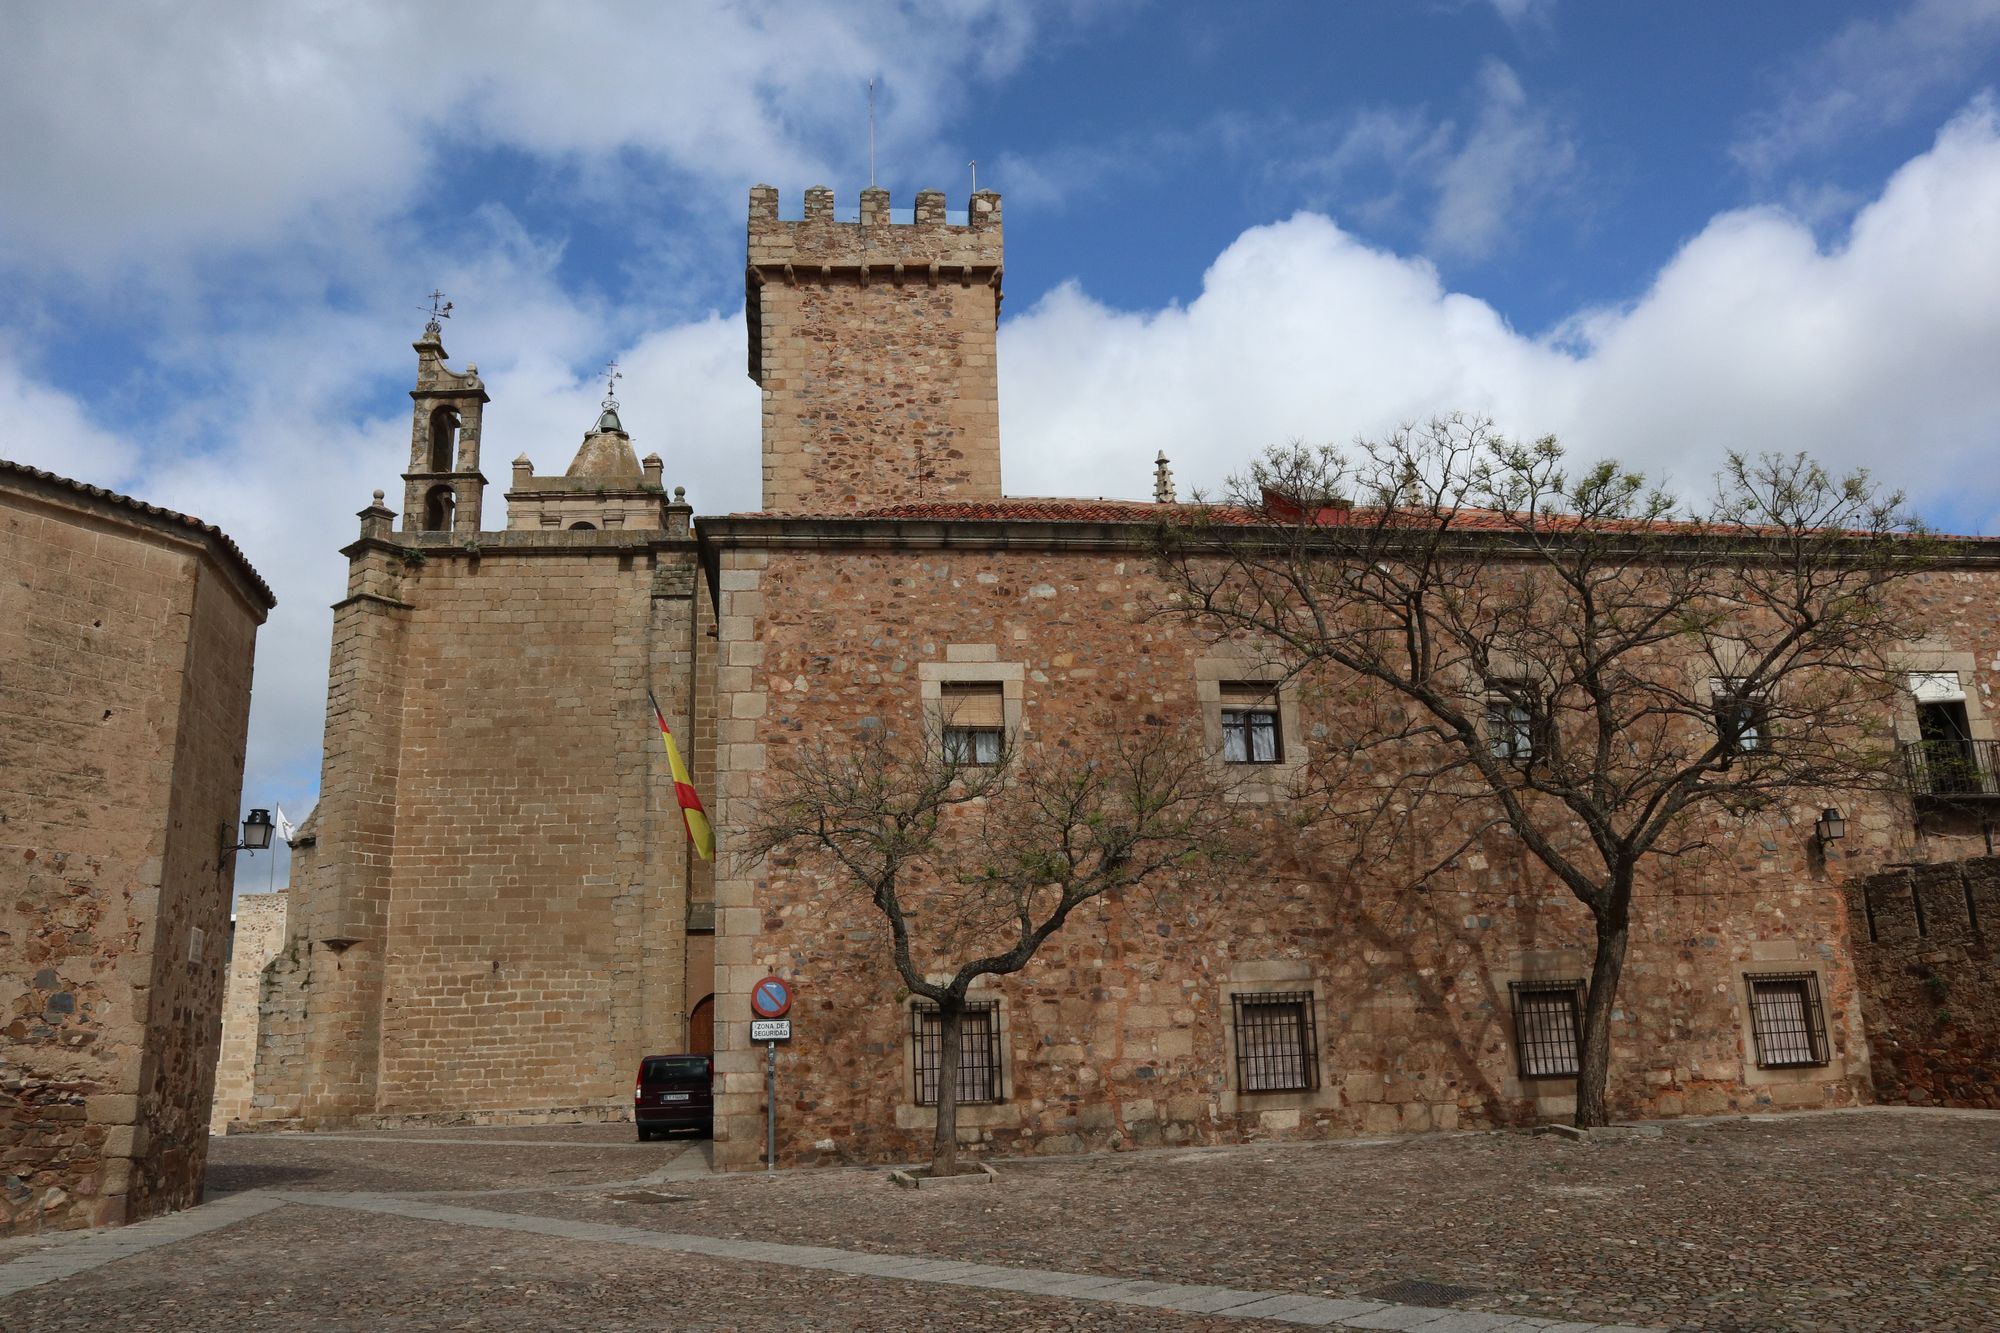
974 164
871 134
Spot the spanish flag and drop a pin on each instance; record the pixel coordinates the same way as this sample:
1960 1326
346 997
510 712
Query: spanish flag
700 833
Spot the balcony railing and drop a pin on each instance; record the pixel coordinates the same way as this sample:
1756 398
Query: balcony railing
1963 770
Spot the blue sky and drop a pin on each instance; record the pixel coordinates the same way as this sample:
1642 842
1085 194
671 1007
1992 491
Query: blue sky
1660 231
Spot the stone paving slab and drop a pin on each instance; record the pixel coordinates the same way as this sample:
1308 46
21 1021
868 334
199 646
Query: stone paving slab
74 1256
1226 1302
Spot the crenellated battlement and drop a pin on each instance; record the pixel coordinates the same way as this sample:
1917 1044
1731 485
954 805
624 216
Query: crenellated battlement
875 233
873 338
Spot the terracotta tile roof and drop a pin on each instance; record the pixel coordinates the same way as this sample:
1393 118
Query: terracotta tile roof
167 516
1028 509
1020 510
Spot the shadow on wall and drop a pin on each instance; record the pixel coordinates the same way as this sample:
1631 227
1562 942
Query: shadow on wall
1930 981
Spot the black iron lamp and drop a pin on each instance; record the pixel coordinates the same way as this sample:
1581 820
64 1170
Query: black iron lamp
1831 826
256 835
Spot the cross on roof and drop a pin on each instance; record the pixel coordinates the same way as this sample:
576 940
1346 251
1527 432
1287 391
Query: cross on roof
439 308
611 377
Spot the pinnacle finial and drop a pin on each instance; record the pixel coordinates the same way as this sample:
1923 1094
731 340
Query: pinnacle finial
1163 480
611 377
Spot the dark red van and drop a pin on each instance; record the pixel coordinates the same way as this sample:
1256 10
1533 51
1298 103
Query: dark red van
674 1092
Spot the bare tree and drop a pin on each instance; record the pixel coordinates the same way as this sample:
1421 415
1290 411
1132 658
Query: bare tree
975 865
1569 656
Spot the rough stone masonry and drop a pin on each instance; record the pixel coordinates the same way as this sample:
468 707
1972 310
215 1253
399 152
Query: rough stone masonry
126 637
499 915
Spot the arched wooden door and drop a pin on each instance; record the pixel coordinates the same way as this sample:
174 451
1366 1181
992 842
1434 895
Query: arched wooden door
701 1027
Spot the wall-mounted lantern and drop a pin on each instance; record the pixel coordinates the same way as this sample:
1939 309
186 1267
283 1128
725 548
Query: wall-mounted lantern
256 835
1831 826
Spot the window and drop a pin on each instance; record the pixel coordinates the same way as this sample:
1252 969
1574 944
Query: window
1947 758
1250 733
1742 719
1786 1020
1548 1027
974 721
438 503
582 526
1515 730
978 1052
444 439
1277 1048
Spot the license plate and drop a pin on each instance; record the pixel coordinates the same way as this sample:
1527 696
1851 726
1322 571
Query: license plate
673 1096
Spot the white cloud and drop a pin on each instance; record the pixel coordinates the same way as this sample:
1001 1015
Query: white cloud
160 128
46 428
1473 181
1872 72
1520 14
1877 352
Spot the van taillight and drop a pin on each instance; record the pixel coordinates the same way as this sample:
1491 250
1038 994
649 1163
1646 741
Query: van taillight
638 1091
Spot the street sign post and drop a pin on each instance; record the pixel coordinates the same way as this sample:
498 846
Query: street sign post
771 1000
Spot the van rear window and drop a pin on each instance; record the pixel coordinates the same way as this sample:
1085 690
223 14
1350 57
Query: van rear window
673 1068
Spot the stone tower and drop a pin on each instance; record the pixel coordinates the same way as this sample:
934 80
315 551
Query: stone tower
874 344
443 489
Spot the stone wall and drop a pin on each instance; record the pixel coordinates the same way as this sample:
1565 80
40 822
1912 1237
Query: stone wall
126 636
874 343
1930 980
1120 1031
256 937
493 924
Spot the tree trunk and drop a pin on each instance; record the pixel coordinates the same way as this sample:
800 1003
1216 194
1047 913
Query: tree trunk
944 1149
1594 1060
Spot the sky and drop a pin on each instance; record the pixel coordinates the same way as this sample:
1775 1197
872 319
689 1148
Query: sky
1659 232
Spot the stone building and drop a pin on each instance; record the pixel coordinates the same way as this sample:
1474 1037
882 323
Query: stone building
126 638
502 914
256 936
494 915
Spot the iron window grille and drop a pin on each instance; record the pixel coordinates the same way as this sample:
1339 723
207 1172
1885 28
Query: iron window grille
1742 721
1787 1021
1277 1043
1516 729
1250 730
1548 1027
978 1052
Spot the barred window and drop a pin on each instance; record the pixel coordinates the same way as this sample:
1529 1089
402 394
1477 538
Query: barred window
1510 728
1742 719
1250 731
1548 1027
974 717
1786 1019
1277 1047
978 1052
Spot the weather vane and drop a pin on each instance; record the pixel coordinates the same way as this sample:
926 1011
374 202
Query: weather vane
439 309
611 377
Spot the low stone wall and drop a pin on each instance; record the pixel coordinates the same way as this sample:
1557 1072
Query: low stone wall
258 937
1929 978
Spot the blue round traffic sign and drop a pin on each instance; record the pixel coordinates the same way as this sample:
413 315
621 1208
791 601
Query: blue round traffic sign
770 998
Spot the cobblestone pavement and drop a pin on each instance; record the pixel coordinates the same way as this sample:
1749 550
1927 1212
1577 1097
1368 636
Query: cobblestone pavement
1877 1221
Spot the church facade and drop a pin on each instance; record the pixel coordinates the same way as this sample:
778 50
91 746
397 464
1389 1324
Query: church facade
496 912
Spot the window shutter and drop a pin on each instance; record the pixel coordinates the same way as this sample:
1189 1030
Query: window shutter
972 706
1936 687
1250 694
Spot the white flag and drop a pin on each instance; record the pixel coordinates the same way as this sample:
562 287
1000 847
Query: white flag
285 826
